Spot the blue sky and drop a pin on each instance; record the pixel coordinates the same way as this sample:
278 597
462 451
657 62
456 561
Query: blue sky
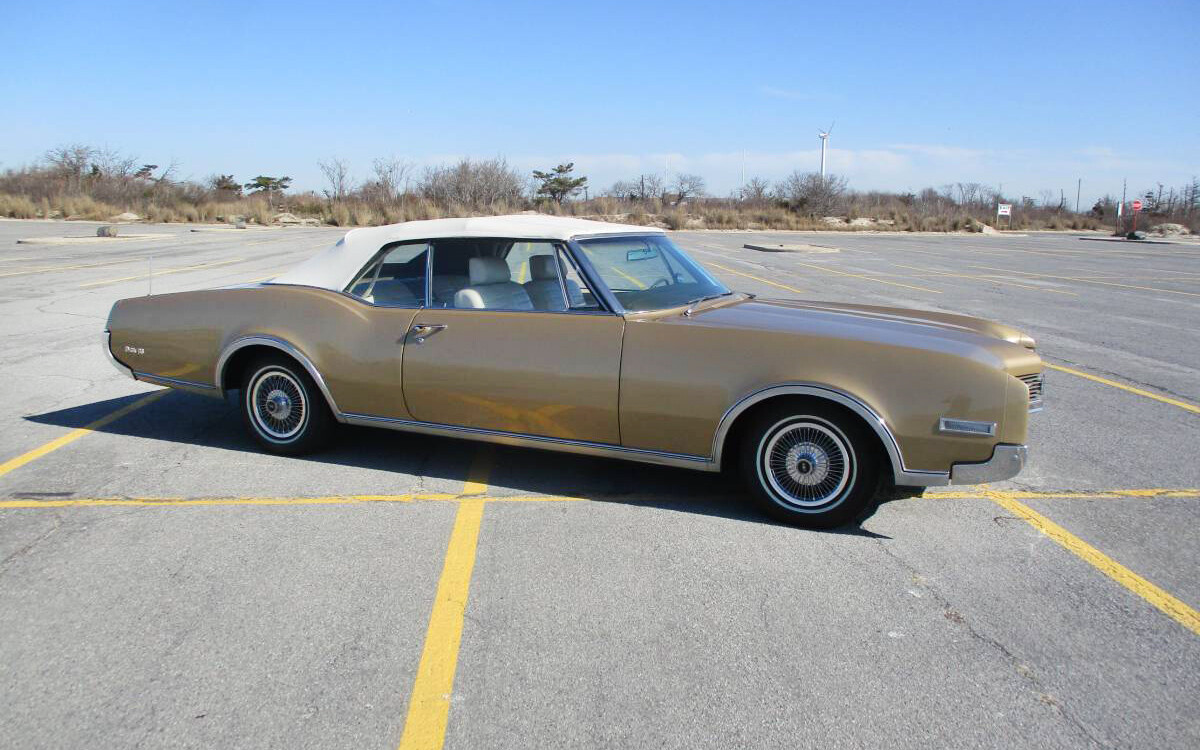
1028 95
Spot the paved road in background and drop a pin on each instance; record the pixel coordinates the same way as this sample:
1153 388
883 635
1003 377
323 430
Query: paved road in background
287 602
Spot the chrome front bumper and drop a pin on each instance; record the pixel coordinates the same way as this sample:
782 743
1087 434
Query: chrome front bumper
1006 462
106 344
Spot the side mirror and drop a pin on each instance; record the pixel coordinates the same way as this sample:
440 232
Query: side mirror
642 254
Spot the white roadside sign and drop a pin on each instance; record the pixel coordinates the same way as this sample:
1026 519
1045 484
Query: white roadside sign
1004 209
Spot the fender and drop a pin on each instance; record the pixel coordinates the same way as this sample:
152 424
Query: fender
288 349
902 475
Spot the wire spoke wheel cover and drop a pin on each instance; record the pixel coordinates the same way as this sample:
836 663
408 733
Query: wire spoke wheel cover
807 463
278 405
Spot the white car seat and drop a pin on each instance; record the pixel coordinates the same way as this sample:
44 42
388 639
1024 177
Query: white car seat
543 288
492 287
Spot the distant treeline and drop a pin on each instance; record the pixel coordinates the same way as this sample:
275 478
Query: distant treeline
82 182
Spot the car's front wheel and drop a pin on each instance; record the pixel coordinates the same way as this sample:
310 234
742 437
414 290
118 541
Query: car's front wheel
282 408
810 464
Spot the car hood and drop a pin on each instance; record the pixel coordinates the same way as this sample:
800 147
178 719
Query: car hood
939 320
919 328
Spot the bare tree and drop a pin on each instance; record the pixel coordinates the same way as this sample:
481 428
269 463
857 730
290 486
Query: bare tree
756 190
389 174
687 186
811 193
474 184
645 187
337 174
70 163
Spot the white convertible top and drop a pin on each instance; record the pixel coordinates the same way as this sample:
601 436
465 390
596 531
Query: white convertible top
336 267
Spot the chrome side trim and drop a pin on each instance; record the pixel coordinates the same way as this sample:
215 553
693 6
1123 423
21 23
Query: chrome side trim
150 377
106 343
902 474
1006 462
286 348
954 426
682 460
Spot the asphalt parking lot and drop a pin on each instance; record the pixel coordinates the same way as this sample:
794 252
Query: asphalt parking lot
163 584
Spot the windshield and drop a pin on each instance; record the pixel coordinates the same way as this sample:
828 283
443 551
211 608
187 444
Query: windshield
649 272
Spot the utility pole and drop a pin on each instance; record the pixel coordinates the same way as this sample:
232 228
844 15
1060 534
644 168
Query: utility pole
1078 187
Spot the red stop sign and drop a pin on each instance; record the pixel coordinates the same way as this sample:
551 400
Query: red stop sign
1137 205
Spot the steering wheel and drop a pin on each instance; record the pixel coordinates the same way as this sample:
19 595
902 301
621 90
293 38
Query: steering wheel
660 282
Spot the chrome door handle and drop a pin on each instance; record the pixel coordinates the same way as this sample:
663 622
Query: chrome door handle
424 329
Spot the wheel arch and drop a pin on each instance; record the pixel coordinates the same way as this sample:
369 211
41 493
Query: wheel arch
240 352
738 415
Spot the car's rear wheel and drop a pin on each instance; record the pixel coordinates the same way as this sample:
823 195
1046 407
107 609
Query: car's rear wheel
282 407
810 464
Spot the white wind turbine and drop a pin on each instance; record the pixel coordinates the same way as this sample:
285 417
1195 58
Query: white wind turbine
824 136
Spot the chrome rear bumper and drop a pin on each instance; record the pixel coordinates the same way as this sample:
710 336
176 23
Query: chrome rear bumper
106 343
1006 462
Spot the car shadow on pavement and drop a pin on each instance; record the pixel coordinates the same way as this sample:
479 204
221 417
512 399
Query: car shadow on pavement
196 420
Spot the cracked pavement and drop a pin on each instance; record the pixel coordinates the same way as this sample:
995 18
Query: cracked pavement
660 610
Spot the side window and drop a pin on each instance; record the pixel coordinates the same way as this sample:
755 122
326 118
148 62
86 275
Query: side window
579 295
396 278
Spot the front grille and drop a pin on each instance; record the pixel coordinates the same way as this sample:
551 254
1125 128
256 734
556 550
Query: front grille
1034 383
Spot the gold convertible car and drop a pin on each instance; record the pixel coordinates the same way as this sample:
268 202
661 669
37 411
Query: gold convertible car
601 339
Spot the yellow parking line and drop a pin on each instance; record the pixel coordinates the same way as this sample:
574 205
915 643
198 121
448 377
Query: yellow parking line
639 284
1063 495
1091 281
756 278
986 278
49 269
1172 401
73 435
186 502
1169 605
162 273
481 467
429 701
869 278
523 271
171 502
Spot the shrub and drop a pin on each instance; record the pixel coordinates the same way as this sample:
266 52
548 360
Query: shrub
17 207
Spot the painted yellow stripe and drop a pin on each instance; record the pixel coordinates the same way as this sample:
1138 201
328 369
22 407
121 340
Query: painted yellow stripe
164 272
869 278
523 271
1172 401
1169 605
173 502
1064 495
636 282
1091 281
989 279
768 282
73 435
481 467
429 701
183 502
538 499
49 269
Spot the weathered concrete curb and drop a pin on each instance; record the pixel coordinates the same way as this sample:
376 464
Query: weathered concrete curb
792 248
89 240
